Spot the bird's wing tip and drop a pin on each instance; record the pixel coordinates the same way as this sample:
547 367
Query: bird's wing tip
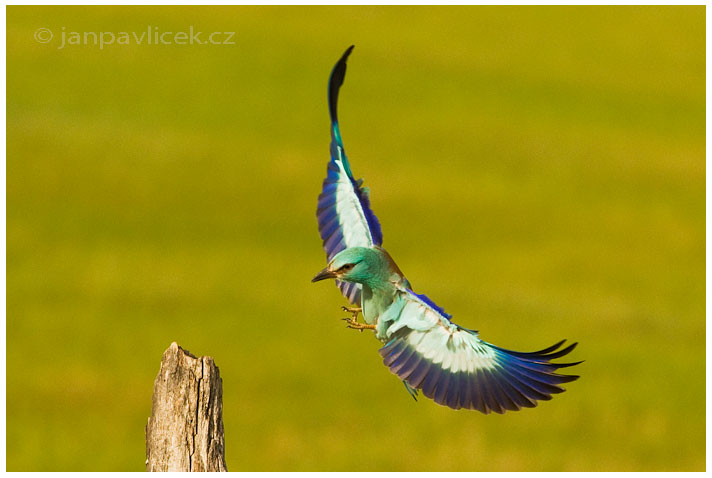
336 80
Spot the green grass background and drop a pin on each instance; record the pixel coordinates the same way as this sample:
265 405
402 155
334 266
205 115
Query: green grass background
539 172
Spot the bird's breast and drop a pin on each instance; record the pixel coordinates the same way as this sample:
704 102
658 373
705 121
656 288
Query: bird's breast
368 309
374 302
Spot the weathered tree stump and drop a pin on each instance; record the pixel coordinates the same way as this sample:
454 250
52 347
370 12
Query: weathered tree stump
185 431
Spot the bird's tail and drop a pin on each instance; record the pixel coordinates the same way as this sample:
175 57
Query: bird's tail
413 391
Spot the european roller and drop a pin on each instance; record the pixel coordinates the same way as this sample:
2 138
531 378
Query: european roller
421 345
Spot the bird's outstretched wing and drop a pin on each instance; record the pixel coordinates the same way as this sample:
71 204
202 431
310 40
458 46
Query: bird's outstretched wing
344 211
451 365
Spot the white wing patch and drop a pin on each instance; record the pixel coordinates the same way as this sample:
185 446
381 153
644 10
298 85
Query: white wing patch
438 340
354 225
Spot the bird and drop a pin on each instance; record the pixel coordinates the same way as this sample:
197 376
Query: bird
429 353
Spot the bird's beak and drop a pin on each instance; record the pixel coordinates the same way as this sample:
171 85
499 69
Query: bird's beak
325 273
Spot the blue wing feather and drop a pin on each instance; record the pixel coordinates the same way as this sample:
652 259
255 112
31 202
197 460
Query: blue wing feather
451 365
432 304
344 210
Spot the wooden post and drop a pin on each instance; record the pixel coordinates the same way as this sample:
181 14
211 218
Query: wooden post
185 431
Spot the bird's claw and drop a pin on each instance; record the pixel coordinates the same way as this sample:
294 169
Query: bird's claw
351 323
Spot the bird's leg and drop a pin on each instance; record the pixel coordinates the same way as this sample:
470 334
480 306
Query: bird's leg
352 322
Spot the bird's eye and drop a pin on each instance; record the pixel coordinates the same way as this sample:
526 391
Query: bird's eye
346 267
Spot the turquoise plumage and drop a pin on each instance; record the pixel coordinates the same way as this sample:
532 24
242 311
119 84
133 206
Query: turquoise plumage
428 352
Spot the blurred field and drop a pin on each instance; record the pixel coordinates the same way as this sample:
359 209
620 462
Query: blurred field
538 172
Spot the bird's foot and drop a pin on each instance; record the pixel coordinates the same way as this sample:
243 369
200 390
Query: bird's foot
353 310
352 323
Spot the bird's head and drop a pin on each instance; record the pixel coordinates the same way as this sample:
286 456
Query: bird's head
355 264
